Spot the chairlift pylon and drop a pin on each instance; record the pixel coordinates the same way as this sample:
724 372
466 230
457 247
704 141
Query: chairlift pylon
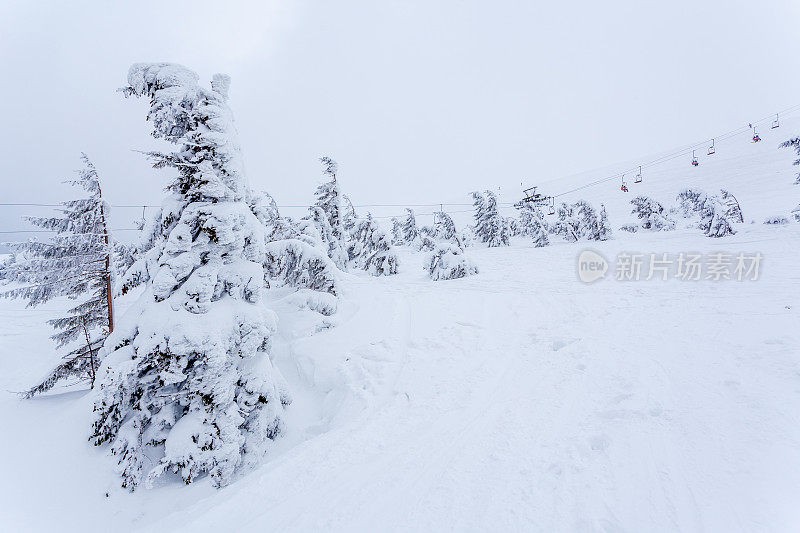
711 150
694 160
638 178
776 123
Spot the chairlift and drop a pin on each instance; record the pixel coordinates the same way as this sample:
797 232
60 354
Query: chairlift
694 160
552 207
638 178
623 187
756 137
711 150
532 197
776 123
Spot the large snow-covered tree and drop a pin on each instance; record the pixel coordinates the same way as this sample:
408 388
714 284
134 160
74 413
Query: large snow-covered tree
652 214
329 202
532 223
371 249
187 386
77 262
449 262
444 229
716 215
410 230
490 227
794 143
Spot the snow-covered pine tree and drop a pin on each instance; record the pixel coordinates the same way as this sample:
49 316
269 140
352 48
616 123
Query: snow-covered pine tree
445 229
293 259
371 249
479 228
449 262
410 231
329 201
716 217
794 144
397 233
77 263
567 225
603 227
588 220
187 386
491 228
348 214
796 213
264 207
652 214
532 224
734 210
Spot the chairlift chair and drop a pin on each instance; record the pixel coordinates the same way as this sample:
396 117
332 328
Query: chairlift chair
711 150
694 160
623 187
756 137
638 178
776 123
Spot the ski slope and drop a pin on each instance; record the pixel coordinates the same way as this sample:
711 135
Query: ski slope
519 399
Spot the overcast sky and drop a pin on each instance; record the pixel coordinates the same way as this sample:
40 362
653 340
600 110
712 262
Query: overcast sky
419 101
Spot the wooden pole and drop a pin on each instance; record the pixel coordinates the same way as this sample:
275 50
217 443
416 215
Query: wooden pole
91 352
108 265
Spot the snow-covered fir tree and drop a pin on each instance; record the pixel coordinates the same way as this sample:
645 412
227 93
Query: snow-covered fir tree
796 213
397 233
187 386
444 230
567 224
449 262
604 231
77 262
715 217
371 249
264 207
348 214
329 201
652 214
733 208
490 227
795 145
410 231
532 224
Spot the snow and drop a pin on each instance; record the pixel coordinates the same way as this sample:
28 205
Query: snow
518 398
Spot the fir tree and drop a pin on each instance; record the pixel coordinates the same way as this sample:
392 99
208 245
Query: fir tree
188 386
479 228
567 225
329 201
445 229
603 227
397 233
76 263
371 249
652 214
410 231
795 145
449 262
490 227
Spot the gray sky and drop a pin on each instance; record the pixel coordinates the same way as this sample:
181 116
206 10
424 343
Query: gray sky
419 101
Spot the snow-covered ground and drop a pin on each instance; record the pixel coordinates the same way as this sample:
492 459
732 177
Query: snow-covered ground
516 399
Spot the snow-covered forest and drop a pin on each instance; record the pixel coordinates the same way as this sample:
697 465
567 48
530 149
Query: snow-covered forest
612 350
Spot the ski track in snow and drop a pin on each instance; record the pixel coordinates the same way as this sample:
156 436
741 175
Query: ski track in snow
516 400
